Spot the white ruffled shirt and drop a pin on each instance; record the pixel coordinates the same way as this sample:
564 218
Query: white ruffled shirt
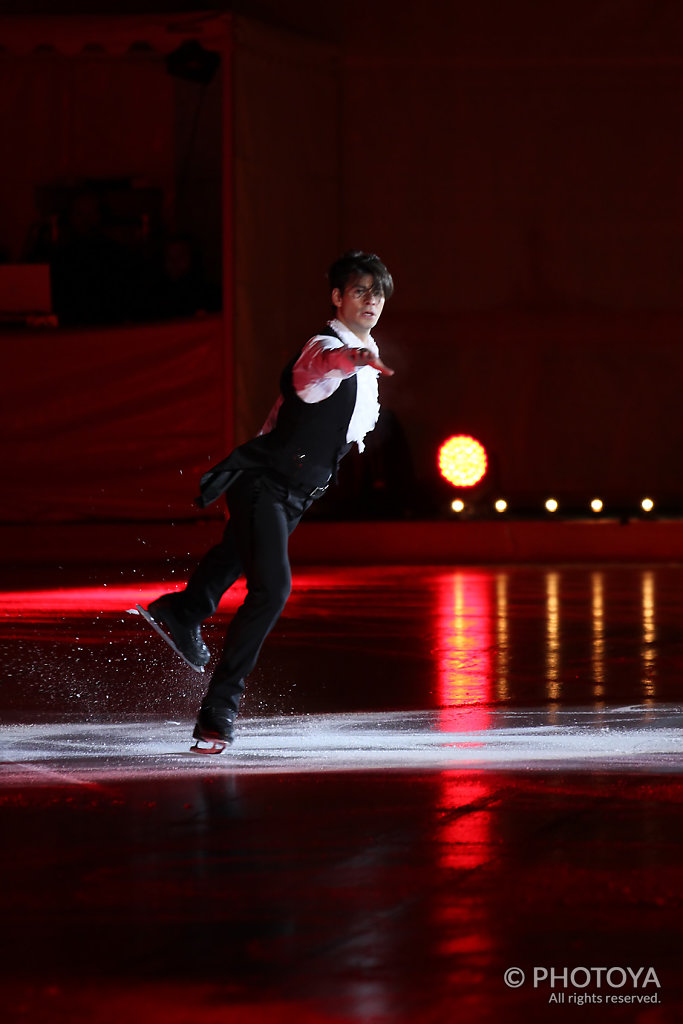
320 369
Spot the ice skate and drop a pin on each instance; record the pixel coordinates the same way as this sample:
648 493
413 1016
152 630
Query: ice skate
213 731
186 641
202 746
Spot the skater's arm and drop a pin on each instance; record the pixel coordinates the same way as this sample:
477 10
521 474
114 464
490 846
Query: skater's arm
325 362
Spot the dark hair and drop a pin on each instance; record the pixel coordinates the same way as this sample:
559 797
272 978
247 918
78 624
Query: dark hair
354 264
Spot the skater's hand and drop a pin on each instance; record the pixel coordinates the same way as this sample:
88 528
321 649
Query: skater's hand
366 357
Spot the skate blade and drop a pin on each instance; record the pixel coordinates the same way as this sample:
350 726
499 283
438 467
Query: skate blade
212 747
164 636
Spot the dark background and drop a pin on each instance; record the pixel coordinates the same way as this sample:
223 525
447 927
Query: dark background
519 168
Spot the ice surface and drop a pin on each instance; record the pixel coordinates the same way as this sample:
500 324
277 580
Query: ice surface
642 737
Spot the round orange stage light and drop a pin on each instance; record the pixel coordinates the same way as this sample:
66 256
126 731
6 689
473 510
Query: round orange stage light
462 460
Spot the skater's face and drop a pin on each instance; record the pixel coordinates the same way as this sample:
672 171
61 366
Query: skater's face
360 305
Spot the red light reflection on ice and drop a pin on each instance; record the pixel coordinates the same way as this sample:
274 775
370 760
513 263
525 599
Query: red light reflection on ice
465 843
467 613
465 828
119 597
465 650
19 604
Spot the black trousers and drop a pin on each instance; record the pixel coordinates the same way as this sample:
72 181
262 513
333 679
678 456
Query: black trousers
263 514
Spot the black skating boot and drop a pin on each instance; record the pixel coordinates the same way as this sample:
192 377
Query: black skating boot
186 641
214 728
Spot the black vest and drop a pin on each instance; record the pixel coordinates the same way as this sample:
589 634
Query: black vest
305 446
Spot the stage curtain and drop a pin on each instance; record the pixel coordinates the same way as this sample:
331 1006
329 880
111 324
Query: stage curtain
87 117
519 185
112 423
570 406
286 169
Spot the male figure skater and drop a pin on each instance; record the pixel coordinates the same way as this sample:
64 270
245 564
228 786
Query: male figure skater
328 402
